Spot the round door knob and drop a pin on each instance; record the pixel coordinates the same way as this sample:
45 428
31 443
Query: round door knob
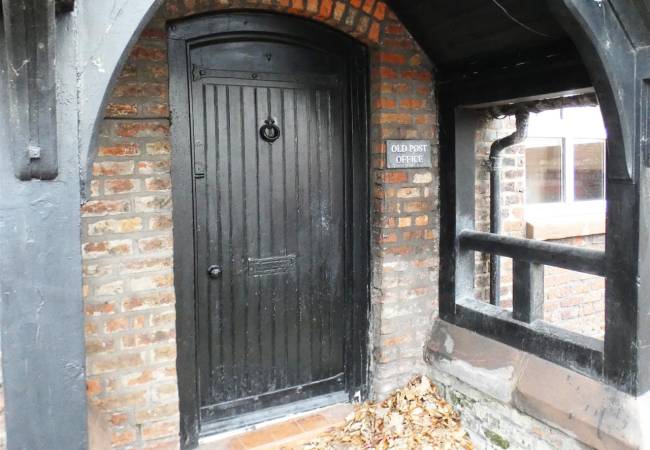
214 272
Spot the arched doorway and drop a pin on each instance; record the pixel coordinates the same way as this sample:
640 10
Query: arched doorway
131 200
271 239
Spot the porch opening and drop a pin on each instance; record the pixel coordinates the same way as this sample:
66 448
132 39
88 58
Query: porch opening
549 185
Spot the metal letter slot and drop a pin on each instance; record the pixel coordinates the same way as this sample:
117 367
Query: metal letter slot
271 266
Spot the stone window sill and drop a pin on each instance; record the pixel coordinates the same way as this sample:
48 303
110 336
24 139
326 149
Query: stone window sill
562 226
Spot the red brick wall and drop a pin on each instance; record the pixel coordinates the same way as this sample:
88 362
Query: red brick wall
405 210
576 301
127 241
513 184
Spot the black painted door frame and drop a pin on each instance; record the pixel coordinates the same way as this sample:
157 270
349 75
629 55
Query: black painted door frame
237 25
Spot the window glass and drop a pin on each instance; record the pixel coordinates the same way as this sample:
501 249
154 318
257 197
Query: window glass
589 166
546 124
565 157
583 122
544 171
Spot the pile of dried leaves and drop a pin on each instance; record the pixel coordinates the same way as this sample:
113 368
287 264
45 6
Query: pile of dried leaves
414 417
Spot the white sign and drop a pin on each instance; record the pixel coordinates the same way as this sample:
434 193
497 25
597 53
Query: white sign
408 154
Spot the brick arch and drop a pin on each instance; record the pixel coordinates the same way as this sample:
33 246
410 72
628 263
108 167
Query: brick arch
361 19
127 236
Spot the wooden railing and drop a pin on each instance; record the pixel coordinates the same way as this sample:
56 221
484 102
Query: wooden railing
529 258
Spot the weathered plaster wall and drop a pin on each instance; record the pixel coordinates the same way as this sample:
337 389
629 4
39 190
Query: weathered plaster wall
40 272
3 436
127 234
105 29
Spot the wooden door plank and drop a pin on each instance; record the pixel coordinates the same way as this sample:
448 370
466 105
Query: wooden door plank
277 174
291 295
304 235
250 206
225 212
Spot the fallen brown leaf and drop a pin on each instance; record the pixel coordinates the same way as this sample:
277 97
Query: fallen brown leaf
414 417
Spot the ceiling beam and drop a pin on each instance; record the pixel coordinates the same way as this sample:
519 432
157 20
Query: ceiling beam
64 6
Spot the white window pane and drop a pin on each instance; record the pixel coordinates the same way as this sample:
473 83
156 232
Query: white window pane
584 122
545 124
544 171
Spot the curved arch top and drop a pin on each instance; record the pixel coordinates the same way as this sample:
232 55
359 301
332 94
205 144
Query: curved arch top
608 42
610 58
110 29
260 22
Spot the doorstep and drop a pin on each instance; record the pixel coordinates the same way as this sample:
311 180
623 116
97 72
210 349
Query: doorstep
287 434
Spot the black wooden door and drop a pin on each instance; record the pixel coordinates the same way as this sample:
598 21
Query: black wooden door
267 123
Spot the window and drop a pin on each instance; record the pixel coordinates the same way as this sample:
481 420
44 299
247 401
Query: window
565 159
544 171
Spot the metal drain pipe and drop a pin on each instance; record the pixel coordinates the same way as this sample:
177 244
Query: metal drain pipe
497 147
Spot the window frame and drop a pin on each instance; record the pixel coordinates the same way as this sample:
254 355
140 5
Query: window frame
521 327
624 96
568 137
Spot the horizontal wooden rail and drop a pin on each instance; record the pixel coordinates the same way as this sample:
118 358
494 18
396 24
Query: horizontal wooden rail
555 344
538 252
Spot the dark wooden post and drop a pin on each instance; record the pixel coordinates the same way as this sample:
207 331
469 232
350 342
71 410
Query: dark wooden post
41 302
527 291
30 48
457 155
606 39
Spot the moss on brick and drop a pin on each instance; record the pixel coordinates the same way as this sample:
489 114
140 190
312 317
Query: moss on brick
461 400
497 439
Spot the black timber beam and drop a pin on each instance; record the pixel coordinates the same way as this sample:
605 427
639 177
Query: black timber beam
605 37
581 353
513 77
30 49
64 6
457 153
41 302
643 59
538 252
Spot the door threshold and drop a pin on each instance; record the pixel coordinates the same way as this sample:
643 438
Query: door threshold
221 429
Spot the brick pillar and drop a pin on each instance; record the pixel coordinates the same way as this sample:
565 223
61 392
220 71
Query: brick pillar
405 247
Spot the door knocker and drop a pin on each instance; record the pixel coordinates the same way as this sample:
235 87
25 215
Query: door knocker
270 132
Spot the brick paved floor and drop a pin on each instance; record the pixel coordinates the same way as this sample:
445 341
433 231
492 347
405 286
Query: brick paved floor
289 434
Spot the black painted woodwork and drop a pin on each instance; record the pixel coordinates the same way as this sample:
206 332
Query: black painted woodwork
540 252
489 50
527 291
64 6
30 51
581 353
271 238
271 214
459 242
610 47
472 31
597 45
